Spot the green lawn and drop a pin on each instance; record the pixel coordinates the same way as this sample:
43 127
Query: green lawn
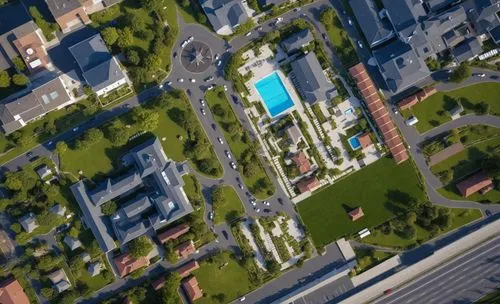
432 111
468 160
97 282
232 209
4 92
366 259
101 158
492 298
342 43
238 146
378 189
231 281
460 218
450 191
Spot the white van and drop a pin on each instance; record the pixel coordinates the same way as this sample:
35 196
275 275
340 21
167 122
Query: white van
411 121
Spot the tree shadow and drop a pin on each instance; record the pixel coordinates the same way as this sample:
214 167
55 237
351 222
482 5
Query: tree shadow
348 208
449 103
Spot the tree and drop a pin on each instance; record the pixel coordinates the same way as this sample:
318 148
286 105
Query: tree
170 254
327 16
133 57
20 80
219 110
109 208
461 73
152 5
146 120
118 134
408 232
126 38
135 22
168 293
47 293
19 63
76 265
4 79
273 266
61 147
110 35
218 198
152 62
89 138
140 247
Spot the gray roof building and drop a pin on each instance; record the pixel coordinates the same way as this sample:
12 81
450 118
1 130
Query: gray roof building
297 40
43 172
59 280
404 16
28 222
58 209
437 5
164 202
85 257
483 14
72 242
224 15
60 8
273 2
99 68
375 29
466 50
294 134
442 30
41 100
400 65
310 79
94 269
12 17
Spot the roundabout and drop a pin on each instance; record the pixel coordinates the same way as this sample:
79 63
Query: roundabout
196 57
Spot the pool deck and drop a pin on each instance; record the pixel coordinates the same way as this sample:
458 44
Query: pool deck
261 67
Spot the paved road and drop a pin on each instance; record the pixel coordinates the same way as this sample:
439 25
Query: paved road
463 280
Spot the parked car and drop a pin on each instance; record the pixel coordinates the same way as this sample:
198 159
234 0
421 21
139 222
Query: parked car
360 44
29 154
211 87
203 112
214 126
388 291
349 21
225 87
219 62
257 210
220 140
248 34
168 83
487 212
242 299
175 54
211 215
181 80
233 165
184 43
190 39
240 186
75 129
253 203
280 200
411 121
224 233
202 102
267 210
267 203
482 75
395 110
228 154
192 80
210 78
62 227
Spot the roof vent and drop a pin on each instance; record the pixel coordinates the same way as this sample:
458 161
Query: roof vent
29 51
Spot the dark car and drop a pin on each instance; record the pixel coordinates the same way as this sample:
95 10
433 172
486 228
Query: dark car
214 126
267 210
280 200
189 92
175 54
224 233
62 228
235 99
29 154
487 212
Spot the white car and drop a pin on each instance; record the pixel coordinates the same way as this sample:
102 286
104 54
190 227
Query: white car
266 203
202 102
349 21
225 87
297 9
203 112
248 34
192 80
482 75
184 43
220 140
279 19
257 210
219 62
253 203
242 299
210 78
181 79
75 129
211 215
168 83
190 39
360 44
228 154
216 57
211 88
233 165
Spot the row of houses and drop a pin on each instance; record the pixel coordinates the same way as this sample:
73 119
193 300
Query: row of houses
50 89
404 33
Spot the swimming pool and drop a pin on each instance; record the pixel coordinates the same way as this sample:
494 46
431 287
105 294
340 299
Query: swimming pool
274 94
354 142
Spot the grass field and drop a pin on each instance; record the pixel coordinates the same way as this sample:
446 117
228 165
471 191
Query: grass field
468 160
232 209
460 218
342 43
492 298
376 188
366 260
235 141
103 157
428 112
450 191
226 283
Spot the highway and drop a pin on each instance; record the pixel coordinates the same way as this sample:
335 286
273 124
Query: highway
462 280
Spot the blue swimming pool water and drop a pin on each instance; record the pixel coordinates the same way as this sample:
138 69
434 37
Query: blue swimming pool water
354 142
348 111
274 94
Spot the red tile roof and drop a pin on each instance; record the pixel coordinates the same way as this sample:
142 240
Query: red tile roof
185 249
308 184
367 88
365 140
302 162
158 284
192 289
11 292
126 264
173 233
186 269
356 214
474 184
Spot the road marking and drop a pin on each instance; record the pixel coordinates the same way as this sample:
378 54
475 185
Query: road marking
442 274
